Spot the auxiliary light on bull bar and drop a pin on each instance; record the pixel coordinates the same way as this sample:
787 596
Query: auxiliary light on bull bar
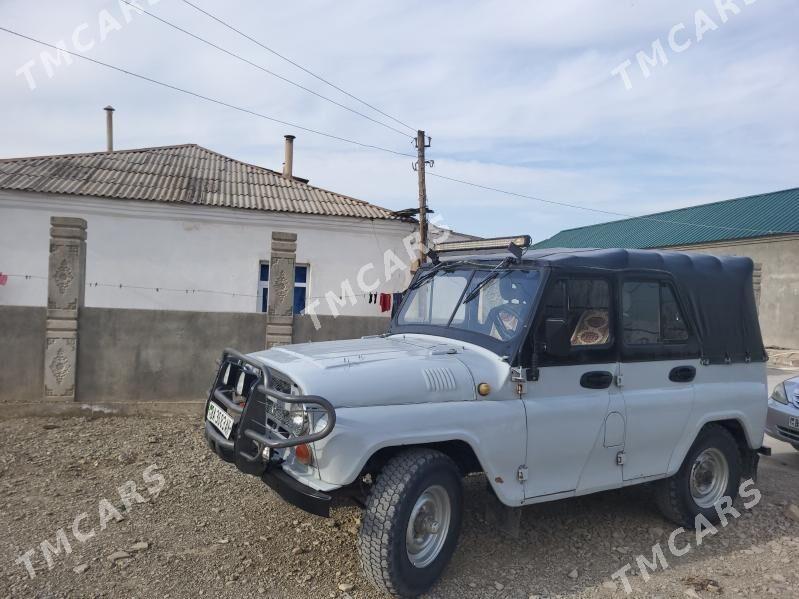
495 243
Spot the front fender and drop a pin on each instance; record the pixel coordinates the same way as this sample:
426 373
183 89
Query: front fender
495 429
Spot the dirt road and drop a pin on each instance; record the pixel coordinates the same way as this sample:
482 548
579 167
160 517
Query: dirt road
207 530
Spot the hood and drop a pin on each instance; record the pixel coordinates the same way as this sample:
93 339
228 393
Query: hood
792 390
400 369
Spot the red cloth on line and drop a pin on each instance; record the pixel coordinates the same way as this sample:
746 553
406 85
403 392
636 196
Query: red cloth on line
3 279
385 302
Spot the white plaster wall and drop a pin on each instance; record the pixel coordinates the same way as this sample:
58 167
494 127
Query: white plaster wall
151 244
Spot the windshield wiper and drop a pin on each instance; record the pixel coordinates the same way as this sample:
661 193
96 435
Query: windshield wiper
490 277
423 278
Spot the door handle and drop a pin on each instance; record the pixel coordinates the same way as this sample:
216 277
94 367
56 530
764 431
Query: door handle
596 379
682 374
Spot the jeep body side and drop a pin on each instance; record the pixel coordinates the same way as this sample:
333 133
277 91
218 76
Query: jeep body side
556 373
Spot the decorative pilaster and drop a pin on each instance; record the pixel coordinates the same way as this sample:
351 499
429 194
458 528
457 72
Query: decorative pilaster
65 292
280 304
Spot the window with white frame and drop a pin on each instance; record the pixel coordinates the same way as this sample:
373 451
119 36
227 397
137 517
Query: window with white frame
300 286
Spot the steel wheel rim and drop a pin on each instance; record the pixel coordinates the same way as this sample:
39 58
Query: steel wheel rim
428 526
710 474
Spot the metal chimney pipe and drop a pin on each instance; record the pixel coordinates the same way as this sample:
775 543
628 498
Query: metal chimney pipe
109 128
288 163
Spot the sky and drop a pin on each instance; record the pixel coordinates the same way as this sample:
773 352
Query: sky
531 97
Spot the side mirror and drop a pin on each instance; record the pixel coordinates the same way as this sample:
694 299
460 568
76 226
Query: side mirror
556 337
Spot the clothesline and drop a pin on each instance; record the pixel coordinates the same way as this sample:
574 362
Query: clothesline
5 276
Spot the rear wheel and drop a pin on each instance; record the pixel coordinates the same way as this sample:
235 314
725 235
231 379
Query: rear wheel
411 523
710 472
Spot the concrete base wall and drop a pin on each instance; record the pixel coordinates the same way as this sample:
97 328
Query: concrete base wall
127 356
153 355
779 287
22 340
343 327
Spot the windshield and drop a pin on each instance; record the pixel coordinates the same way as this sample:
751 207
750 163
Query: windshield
498 309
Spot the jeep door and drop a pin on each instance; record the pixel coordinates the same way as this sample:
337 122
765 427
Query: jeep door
575 420
659 357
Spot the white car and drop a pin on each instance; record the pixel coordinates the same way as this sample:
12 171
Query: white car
783 412
555 372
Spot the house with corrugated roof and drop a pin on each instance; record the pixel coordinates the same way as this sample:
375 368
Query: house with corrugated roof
764 227
185 228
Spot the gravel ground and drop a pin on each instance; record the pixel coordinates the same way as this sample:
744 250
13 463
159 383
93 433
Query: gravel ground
212 531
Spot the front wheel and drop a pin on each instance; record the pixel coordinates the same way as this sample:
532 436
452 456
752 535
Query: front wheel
411 523
710 472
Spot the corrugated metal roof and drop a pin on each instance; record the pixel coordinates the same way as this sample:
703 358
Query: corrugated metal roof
775 213
184 174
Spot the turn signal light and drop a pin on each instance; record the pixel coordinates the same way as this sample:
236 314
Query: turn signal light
303 454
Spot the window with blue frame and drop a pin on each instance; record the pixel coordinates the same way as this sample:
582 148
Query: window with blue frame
300 286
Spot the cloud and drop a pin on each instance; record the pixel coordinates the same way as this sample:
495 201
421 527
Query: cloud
516 95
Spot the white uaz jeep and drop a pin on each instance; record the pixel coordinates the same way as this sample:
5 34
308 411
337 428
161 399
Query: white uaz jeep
554 372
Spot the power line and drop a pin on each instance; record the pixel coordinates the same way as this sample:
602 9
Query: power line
207 98
600 211
375 147
299 66
262 68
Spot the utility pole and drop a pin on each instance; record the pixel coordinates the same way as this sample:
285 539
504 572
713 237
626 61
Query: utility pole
422 142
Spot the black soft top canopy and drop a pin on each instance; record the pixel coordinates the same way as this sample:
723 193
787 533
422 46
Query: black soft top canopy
717 290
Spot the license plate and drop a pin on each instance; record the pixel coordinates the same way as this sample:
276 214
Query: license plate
793 422
220 419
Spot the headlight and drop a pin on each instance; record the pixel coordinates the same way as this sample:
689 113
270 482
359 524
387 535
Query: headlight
298 414
320 424
779 394
299 419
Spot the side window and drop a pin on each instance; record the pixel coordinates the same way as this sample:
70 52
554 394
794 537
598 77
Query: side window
671 319
588 312
650 314
585 305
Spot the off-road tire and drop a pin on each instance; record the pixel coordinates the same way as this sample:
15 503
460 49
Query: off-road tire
381 543
673 495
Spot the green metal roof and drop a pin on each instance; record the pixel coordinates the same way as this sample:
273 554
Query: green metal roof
761 215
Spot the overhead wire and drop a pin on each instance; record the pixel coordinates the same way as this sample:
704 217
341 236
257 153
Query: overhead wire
600 210
383 149
260 67
294 63
206 98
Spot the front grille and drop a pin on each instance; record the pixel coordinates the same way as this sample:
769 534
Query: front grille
789 432
278 417
278 383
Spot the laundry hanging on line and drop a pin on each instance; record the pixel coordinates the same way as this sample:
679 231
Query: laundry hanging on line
385 302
